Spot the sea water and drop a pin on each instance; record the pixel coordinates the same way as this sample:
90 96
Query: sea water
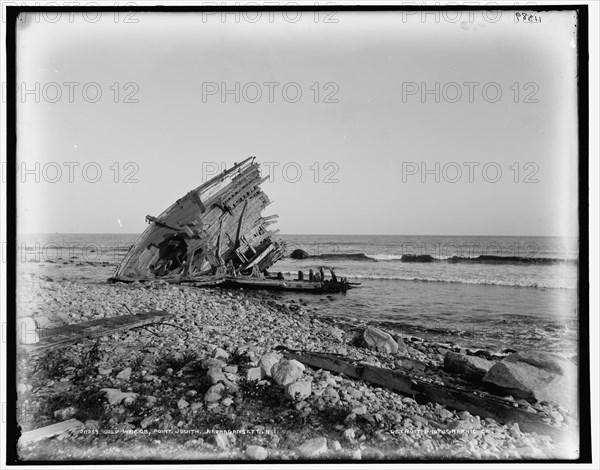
480 292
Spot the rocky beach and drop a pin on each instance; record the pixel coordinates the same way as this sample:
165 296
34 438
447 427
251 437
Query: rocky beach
212 382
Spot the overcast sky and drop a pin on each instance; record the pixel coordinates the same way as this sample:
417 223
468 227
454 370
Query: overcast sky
141 100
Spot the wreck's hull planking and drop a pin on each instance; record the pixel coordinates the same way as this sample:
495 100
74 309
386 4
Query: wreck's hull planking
214 228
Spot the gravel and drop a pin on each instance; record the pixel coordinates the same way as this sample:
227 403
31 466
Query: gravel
207 370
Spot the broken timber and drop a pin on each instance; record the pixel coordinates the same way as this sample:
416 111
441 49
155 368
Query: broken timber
50 431
62 335
452 397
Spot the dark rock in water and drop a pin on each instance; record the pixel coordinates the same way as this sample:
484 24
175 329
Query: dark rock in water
535 376
472 367
412 258
299 254
509 351
374 338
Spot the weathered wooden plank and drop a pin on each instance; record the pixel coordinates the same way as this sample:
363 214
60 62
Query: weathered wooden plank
198 201
320 361
67 334
451 397
410 364
50 431
151 218
486 408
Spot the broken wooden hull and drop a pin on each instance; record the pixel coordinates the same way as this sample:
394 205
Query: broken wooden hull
214 228
288 285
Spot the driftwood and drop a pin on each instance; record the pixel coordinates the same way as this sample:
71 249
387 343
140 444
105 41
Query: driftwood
451 397
60 336
50 431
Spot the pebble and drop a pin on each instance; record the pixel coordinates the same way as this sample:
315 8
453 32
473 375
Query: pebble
256 453
219 353
125 374
255 373
115 396
267 361
214 393
254 330
65 413
221 440
313 447
298 391
286 372
181 404
215 376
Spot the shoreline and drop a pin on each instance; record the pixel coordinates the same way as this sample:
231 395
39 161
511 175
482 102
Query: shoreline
357 420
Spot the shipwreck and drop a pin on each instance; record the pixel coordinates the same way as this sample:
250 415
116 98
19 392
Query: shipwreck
216 235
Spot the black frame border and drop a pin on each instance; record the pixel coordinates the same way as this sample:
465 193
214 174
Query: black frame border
12 13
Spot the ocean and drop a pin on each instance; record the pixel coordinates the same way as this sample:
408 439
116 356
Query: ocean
482 292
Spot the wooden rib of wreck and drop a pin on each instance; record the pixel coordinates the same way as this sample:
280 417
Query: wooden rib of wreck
216 235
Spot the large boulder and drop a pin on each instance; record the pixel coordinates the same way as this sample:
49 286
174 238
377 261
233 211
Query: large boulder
298 390
313 447
551 362
374 338
287 371
268 360
535 376
473 368
299 254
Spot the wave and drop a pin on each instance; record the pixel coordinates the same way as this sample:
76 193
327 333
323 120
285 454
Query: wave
412 258
456 280
490 282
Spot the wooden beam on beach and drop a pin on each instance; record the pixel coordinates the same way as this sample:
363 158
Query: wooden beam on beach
50 431
451 397
68 334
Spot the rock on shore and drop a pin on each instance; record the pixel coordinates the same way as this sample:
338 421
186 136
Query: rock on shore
473 368
536 376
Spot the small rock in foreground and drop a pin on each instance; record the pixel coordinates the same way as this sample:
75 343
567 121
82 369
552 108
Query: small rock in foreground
256 453
313 447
